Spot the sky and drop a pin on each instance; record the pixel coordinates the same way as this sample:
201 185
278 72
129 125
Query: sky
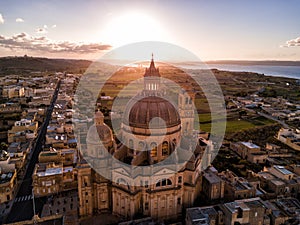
212 30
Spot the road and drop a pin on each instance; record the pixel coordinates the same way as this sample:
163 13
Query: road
22 208
273 118
268 117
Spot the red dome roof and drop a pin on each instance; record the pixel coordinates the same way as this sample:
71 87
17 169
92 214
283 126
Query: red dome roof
144 110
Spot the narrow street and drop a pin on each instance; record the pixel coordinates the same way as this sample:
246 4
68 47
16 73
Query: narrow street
22 208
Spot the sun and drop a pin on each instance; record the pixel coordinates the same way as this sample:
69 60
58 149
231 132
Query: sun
132 27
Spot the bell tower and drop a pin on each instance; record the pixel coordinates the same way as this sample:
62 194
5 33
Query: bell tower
152 79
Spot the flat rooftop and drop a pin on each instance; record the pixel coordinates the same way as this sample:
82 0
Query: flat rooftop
283 170
250 145
6 177
211 177
50 171
195 214
234 206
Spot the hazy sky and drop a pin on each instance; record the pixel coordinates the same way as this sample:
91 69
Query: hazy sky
212 30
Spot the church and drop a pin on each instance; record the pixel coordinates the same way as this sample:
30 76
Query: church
157 157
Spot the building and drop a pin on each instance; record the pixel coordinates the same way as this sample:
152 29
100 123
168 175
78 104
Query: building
244 149
212 185
194 216
210 215
236 187
50 178
281 172
26 126
8 181
290 138
251 211
13 91
247 211
170 190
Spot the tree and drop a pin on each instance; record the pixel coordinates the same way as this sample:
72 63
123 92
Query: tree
242 113
3 146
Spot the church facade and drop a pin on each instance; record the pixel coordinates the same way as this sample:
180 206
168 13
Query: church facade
152 131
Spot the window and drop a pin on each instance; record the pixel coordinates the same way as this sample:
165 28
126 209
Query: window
240 213
146 184
164 182
169 182
163 202
165 148
179 180
153 147
146 206
178 201
131 144
141 146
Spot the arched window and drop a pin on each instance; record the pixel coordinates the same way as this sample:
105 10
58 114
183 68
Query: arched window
131 146
121 181
163 202
153 147
174 141
165 148
158 184
169 182
141 146
163 182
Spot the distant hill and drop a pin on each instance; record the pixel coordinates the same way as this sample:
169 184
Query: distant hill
26 64
250 63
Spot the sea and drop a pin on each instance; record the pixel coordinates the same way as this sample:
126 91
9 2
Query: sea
268 70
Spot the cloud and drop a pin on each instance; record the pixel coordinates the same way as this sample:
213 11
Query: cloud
292 43
19 20
53 26
23 41
1 19
41 30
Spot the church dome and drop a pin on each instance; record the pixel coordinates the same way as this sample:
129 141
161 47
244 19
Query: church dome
99 131
144 110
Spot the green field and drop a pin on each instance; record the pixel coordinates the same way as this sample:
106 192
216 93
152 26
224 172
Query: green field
233 122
